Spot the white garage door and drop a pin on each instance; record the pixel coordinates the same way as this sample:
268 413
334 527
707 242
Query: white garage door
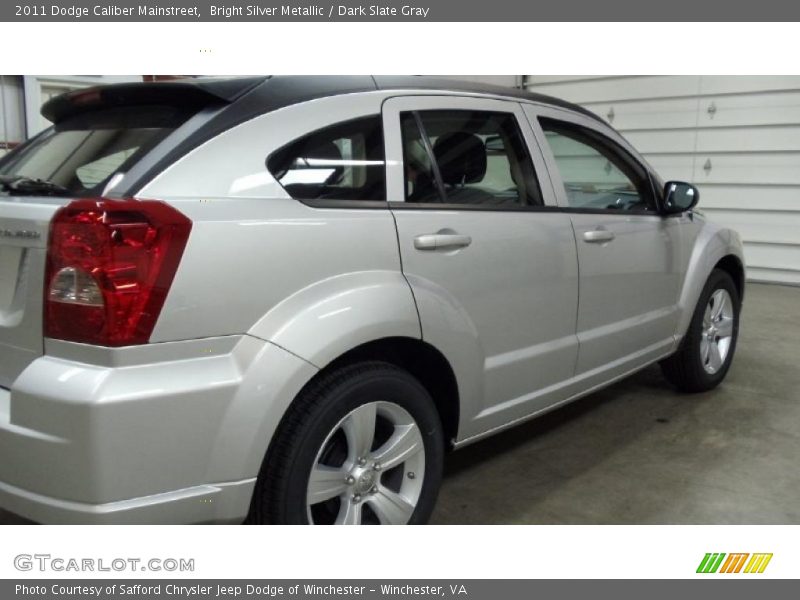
736 137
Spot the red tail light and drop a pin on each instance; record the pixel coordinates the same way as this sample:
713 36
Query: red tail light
110 264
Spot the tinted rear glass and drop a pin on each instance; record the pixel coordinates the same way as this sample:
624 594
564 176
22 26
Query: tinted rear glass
84 152
341 162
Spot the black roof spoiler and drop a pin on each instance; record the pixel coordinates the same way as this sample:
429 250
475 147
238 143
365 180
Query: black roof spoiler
274 93
186 93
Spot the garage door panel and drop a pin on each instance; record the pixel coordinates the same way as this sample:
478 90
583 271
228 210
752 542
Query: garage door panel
648 114
753 197
773 275
750 139
750 109
777 168
673 166
757 226
738 84
661 142
537 80
623 88
776 256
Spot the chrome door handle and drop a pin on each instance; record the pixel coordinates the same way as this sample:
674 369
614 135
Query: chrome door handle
598 236
441 241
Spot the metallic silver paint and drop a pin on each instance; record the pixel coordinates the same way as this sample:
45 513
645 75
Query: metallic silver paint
155 428
270 290
21 266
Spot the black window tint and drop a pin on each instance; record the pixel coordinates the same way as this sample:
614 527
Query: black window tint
596 173
467 157
342 162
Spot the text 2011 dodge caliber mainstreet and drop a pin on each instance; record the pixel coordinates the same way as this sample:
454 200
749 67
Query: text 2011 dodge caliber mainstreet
283 299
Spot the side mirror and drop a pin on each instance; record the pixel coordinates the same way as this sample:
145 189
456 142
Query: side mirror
679 197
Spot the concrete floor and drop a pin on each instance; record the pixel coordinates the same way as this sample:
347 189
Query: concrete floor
638 452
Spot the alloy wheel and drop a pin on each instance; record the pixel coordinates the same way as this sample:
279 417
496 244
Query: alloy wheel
717 332
369 470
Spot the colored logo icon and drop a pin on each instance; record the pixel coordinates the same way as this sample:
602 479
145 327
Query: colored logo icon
719 562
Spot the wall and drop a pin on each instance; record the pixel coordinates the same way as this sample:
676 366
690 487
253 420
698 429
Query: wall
505 80
12 112
736 137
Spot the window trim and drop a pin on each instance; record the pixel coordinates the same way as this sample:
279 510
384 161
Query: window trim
350 204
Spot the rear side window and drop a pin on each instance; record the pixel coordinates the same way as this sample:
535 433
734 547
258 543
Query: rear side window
467 157
341 162
83 153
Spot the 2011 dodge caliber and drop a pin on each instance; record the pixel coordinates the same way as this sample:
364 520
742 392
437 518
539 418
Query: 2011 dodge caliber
283 299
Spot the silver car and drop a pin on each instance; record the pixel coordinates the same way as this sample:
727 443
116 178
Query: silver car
284 299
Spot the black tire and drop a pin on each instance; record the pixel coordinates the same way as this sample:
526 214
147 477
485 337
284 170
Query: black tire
685 369
280 493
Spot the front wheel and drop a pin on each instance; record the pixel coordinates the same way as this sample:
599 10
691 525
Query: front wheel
362 445
707 350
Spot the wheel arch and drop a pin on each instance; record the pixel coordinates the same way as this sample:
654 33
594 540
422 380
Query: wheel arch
734 267
714 248
422 360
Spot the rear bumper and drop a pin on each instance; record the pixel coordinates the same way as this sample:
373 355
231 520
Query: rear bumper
221 503
168 433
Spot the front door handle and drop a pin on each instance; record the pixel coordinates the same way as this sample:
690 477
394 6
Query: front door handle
441 241
598 236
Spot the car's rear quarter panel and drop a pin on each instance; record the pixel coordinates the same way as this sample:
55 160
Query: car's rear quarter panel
262 263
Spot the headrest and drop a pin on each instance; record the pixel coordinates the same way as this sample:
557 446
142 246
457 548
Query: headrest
324 151
461 157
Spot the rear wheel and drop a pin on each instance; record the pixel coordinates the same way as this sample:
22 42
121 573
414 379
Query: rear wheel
362 445
707 350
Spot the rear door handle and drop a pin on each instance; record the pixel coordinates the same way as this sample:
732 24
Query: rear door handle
598 236
441 241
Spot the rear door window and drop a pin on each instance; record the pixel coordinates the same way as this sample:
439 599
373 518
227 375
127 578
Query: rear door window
467 157
83 153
